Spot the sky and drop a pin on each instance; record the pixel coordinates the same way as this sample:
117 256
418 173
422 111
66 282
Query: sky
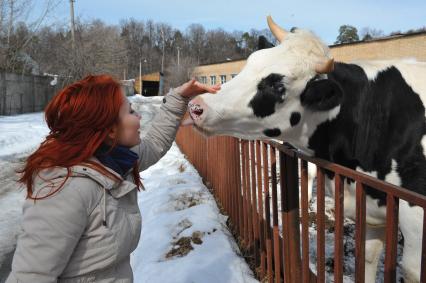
322 17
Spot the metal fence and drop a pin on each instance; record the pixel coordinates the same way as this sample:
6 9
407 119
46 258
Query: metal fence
258 185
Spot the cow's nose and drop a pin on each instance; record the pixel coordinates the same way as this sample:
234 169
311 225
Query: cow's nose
196 108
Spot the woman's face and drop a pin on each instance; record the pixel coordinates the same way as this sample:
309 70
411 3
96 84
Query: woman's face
127 131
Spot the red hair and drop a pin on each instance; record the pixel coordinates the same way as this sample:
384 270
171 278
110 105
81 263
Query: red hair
79 117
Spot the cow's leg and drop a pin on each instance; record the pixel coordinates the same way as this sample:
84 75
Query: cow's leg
410 221
374 239
375 229
312 173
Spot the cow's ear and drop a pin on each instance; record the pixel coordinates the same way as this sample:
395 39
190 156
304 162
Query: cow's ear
321 95
263 43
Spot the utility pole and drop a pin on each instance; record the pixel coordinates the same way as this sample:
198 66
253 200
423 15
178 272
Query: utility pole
72 24
162 57
140 76
178 59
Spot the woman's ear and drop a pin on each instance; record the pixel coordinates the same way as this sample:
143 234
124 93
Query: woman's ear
113 132
321 95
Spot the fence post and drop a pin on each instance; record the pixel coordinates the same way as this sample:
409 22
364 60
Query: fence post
290 215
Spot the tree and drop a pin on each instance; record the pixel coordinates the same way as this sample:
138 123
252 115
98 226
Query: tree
196 35
347 34
17 32
368 33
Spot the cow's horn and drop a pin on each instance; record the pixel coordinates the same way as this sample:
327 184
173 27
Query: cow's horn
325 67
276 30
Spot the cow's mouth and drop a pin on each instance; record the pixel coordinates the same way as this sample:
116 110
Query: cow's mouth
195 111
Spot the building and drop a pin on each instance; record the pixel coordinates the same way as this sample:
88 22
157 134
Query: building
151 84
398 46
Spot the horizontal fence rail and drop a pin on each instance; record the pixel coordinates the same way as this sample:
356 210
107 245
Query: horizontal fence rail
263 187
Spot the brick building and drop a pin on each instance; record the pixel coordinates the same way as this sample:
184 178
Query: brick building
398 46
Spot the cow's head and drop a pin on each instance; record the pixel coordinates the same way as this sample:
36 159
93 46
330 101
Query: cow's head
282 92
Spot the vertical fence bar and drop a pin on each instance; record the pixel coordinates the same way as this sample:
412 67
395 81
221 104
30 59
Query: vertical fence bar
254 203
305 220
222 172
237 187
423 265
244 195
232 182
267 227
338 229
320 225
260 209
392 211
276 232
285 222
241 205
237 193
360 233
290 212
248 197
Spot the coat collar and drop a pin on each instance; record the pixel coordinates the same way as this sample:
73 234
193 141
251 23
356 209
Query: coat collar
117 188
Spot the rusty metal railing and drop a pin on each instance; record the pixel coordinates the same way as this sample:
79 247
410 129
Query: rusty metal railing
258 185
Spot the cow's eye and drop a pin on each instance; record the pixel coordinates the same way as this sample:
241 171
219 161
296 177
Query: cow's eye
279 87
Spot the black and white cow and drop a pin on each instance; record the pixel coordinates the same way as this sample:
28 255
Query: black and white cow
368 116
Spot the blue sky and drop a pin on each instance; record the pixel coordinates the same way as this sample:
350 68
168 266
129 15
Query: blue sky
322 17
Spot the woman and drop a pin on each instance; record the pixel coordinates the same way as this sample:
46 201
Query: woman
81 219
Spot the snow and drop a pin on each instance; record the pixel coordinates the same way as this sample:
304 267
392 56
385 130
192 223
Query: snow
177 206
21 134
147 107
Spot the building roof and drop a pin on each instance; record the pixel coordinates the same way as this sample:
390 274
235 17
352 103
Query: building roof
223 61
389 37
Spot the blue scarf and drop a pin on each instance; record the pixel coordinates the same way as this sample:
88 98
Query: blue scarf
120 158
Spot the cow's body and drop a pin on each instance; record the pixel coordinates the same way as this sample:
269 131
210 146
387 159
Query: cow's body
368 116
381 131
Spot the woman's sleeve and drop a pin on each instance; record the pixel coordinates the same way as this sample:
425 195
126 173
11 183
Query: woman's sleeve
162 131
51 228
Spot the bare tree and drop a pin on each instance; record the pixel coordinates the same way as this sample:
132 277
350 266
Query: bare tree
176 74
196 35
19 31
368 33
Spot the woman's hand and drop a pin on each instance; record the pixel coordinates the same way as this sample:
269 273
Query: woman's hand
193 88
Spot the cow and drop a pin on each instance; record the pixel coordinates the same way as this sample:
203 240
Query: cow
367 115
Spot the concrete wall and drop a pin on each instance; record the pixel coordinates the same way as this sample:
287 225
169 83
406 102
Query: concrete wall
128 87
24 93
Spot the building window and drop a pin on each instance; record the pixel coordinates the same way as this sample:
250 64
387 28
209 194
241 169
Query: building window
212 80
204 80
233 76
222 79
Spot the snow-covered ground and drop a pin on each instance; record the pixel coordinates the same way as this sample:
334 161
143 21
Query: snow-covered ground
184 236
21 134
